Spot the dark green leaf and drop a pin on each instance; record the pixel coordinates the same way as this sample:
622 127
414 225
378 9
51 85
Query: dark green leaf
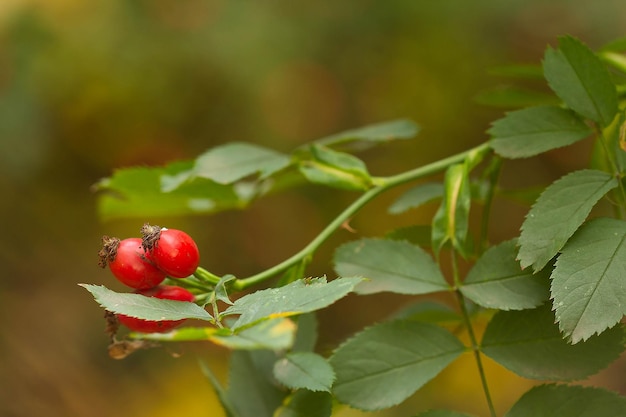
416 197
380 132
304 370
233 161
304 403
251 391
139 192
535 130
148 308
302 296
385 364
568 401
588 281
451 220
529 343
335 169
389 265
306 335
498 281
581 80
558 212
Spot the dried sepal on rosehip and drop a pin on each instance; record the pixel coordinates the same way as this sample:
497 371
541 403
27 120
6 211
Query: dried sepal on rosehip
165 292
129 262
173 251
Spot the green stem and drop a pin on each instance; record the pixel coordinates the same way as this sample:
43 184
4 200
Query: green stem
470 331
493 175
206 276
382 185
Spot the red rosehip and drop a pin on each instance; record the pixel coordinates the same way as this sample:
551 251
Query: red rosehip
130 263
165 292
173 251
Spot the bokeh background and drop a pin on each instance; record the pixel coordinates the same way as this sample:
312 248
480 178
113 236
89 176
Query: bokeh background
90 86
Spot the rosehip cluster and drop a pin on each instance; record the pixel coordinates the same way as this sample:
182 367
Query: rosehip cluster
144 263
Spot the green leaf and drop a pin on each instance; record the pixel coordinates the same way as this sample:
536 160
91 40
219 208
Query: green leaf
306 335
272 334
304 403
147 308
428 312
143 192
498 281
233 161
302 296
581 80
380 132
529 343
451 220
442 413
568 401
558 212
304 370
588 281
385 364
416 197
219 390
251 391
335 169
389 265
535 130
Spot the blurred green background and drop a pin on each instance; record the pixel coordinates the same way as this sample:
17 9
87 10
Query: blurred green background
90 86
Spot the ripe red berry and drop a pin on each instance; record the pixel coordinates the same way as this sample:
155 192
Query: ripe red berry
129 262
173 251
166 292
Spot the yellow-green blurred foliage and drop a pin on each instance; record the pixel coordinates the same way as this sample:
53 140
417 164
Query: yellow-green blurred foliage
87 86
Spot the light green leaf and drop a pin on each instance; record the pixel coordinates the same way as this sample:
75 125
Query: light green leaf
442 413
251 390
335 169
529 343
416 197
385 364
147 308
272 334
588 281
233 161
139 192
581 80
568 401
304 370
380 132
558 212
389 265
451 220
304 403
535 130
498 281
302 296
